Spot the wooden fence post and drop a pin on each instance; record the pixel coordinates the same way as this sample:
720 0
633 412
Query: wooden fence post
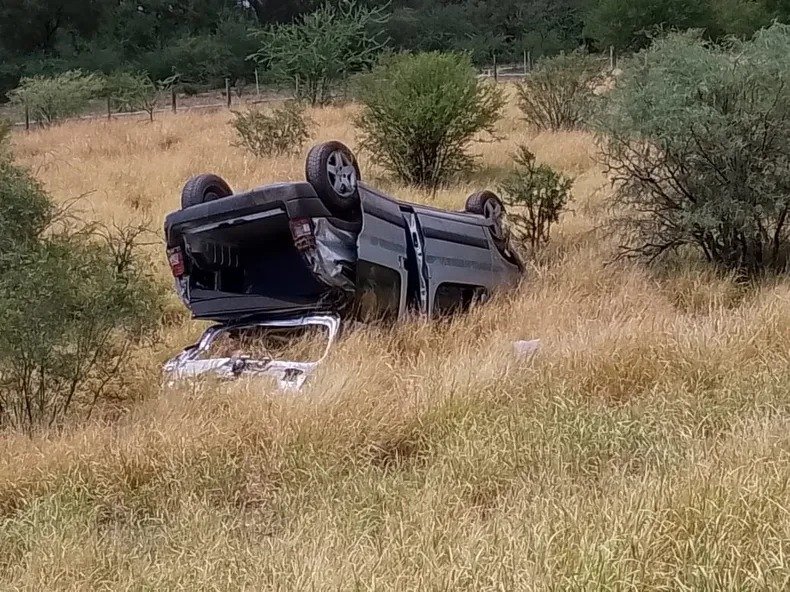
611 57
173 100
227 91
257 84
525 62
496 73
109 108
27 118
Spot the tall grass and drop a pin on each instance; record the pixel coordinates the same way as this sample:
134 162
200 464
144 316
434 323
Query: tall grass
647 447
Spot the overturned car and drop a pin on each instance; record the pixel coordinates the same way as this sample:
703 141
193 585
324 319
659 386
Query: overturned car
297 256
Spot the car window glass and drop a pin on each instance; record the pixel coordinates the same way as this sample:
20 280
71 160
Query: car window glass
300 344
379 291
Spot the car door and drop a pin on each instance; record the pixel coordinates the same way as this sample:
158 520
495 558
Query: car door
458 259
382 276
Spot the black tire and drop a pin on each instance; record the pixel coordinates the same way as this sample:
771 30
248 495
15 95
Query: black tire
328 188
203 188
487 203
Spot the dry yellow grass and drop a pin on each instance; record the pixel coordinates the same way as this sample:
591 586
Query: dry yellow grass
647 447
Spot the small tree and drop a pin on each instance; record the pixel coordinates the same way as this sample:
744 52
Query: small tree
50 98
321 49
559 94
130 91
72 299
630 24
421 112
281 131
535 195
696 141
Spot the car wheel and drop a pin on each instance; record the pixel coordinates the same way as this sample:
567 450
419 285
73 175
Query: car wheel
203 188
486 203
332 170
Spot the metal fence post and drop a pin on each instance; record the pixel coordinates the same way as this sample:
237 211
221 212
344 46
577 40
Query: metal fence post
525 62
496 73
109 108
611 57
27 118
227 91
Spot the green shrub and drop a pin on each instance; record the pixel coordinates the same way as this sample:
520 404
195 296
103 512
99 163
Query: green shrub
25 211
321 49
130 91
696 140
559 94
281 131
421 112
535 196
5 134
72 300
50 98
630 24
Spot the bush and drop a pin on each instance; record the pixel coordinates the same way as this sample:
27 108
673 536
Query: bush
559 94
696 141
50 98
421 112
71 302
630 24
25 212
321 49
281 131
535 196
5 134
130 91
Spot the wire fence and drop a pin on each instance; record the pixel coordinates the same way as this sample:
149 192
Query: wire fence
520 70
217 100
177 103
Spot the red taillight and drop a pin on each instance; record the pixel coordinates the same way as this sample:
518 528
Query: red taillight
176 259
302 233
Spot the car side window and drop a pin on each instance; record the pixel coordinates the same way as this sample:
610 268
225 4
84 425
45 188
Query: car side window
378 291
451 299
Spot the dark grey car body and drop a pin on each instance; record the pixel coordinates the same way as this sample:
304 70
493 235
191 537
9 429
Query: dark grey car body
242 260
276 256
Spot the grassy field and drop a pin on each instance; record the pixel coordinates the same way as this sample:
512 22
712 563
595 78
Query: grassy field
647 447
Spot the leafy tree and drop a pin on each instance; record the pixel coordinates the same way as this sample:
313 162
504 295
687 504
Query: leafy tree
56 97
549 27
630 24
72 299
739 17
25 211
696 142
129 91
421 112
29 25
283 130
559 93
506 27
322 48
